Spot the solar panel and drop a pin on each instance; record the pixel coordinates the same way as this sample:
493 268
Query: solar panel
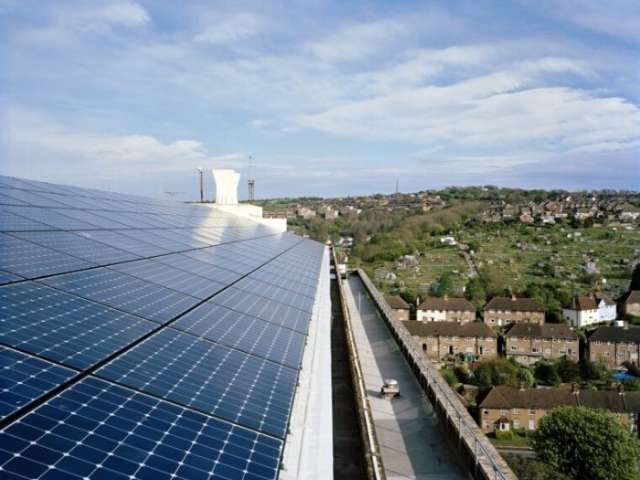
23 378
77 246
64 328
157 341
243 332
210 378
269 310
99 430
124 292
29 260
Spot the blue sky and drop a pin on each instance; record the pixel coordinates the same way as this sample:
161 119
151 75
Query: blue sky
330 98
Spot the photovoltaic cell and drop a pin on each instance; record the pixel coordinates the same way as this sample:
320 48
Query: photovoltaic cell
64 328
269 310
77 246
176 279
30 260
245 333
124 292
50 216
6 277
24 378
123 242
98 430
10 222
210 378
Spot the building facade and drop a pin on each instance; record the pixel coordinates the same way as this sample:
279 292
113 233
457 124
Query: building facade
440 340
614 345
500 311
528 343
446 309
505 408
589 310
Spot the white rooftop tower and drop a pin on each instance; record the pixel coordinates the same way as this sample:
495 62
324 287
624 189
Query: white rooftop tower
226 186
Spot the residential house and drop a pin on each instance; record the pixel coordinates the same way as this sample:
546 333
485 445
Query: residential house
507 407
630 303
439 340
400 308
305 212
435 309
627 212
527 343
505 311
614 345
587 310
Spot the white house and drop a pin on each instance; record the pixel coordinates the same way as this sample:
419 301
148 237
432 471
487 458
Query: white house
588 310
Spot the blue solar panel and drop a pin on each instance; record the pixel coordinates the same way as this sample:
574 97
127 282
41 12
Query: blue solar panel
177 331
77 246
30 260
209 377
125 292
269 310
170 277
245 333
97 430
24 378
62 327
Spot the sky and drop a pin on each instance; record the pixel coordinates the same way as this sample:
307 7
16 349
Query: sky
329 98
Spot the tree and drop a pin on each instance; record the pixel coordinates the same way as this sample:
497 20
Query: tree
496 371
583 443
444 285
525 378
530 469
592 371
475 292
635 278
546 374
568 370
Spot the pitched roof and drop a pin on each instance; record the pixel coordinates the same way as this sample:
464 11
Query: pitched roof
506 397
449 329
446 303
583 302
517 304
547 330
396 302
616 334
632 296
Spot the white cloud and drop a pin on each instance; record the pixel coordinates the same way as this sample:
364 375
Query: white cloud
501 109
357 41
130 155
229 29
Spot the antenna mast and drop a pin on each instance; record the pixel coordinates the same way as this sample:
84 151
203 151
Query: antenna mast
251 182
200 172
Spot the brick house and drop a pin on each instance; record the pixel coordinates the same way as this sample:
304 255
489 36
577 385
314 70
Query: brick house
400 308
446 309
587 310
630 303
442 339
505 311
527 343
507 407
614 345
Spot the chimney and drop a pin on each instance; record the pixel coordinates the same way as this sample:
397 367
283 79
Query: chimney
621 389
446 296
226 186
513 297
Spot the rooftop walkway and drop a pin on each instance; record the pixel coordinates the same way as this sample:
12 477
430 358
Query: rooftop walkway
412 445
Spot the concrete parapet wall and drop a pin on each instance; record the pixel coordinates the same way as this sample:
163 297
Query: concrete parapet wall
483 460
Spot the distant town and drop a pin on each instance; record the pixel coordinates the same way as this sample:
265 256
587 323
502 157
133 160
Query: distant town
526 300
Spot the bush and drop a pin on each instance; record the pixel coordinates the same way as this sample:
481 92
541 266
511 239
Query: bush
546 374
503 435
449 377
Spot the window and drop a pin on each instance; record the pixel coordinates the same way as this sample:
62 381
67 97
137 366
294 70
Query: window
516 424
532 424
503 412
532 411
515 411
424 347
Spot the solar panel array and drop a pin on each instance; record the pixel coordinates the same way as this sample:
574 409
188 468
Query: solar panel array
143 338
